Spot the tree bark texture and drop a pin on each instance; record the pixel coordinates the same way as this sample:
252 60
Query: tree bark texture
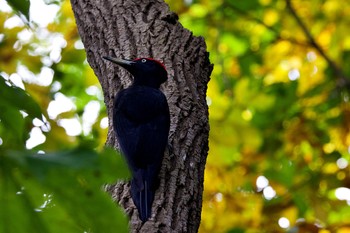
147 28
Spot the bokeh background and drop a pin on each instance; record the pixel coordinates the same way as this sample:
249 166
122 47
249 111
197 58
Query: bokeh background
278 103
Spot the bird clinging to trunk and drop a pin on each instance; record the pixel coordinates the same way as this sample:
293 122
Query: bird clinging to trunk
141 121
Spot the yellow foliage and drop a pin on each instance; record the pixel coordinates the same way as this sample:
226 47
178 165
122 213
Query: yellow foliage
238 144
343 230
228 201
270 17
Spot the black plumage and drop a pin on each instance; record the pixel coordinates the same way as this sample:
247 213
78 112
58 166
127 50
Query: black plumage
141 122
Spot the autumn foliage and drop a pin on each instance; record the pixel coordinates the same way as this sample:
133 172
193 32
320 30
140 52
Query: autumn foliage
278 100
279 114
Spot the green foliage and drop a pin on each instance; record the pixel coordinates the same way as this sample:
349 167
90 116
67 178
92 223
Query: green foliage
21 6
59 191
55 185
13 100
53 192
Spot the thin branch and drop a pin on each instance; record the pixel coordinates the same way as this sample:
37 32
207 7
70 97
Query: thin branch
343 81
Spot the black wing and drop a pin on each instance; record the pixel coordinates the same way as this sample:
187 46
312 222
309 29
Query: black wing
141 122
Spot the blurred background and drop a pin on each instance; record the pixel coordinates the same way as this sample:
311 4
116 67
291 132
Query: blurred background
278 103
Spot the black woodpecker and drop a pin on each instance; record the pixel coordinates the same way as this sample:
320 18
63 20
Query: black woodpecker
141 121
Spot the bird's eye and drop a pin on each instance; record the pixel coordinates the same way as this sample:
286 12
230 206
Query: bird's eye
143 60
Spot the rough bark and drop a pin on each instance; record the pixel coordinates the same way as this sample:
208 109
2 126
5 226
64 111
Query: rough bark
130 29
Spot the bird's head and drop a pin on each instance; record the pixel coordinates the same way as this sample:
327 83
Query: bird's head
146 71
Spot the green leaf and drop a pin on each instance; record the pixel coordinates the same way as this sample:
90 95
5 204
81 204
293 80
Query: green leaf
18 209
21 6
58 192
15 97
246 5
12 124
117 164
282 171
236 45
236 230
48 2
300 202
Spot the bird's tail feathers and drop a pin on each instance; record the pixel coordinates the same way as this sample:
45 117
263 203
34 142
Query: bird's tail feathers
143 197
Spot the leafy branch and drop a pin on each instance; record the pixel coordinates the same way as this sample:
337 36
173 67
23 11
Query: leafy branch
343 80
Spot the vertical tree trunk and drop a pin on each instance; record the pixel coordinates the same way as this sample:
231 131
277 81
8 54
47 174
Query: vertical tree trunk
130 29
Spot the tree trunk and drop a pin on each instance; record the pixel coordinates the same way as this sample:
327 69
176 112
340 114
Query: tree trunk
130 29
